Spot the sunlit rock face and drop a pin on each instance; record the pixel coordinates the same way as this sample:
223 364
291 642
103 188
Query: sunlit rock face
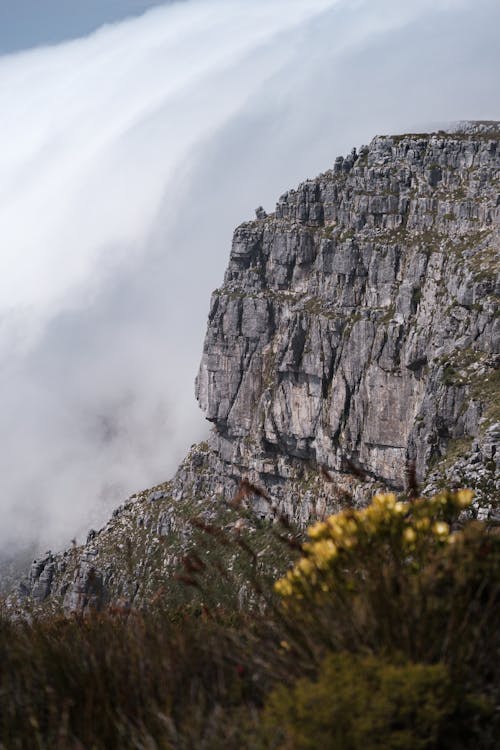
358 322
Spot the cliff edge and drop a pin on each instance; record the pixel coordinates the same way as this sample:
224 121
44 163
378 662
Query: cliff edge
359 320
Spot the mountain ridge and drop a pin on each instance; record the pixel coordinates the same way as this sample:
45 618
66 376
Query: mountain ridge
355 341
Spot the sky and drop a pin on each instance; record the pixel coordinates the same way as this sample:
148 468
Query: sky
130 151
25 24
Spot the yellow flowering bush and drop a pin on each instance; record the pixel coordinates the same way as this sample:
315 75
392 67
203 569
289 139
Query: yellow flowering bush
393 612
402 531
415 578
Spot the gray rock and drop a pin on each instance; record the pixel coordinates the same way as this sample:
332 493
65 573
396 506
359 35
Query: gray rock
40 578
351 324
87 591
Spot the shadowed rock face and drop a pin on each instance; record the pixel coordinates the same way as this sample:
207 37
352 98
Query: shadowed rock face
359 320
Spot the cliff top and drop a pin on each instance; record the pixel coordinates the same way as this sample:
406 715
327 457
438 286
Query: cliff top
476 128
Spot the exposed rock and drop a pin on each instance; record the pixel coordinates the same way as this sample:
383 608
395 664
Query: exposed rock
356 336
40 577
477 467
360 321
86 591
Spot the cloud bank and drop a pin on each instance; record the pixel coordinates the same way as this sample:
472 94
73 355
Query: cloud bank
127 159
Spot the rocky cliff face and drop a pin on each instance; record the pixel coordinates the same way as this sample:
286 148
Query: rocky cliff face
359 320
356 334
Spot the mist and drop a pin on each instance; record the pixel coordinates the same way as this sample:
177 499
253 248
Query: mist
127 159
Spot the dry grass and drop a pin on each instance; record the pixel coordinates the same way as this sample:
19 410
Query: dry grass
203 675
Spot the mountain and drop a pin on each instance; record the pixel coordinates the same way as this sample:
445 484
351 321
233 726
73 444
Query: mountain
354 344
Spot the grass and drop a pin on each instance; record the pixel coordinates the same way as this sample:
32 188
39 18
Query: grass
458 136
388 643
320 306
486 388
455 449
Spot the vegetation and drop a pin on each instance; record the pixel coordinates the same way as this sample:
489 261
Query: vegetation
352 704
382 634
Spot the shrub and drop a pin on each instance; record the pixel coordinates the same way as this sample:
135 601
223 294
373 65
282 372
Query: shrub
370 704
397 577
383 634
397 607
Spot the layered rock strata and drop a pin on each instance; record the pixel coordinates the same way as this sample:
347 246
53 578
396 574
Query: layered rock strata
358 323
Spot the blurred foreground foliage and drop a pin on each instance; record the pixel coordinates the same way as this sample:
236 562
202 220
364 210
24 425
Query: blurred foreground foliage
383 634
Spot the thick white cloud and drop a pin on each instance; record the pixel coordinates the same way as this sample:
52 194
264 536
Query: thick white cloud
92 130
126 159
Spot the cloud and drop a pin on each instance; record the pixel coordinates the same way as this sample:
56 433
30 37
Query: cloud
128 157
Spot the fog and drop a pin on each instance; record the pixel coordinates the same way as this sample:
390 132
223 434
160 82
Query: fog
127 158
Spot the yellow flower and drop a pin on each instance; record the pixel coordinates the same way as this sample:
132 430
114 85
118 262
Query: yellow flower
350 526
324 552
283 587
305 565
440 528
350 542
317 530
409 535
387 500
335 527
422 524
463 498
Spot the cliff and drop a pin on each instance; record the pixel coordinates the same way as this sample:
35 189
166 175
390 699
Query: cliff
358 321
353 343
